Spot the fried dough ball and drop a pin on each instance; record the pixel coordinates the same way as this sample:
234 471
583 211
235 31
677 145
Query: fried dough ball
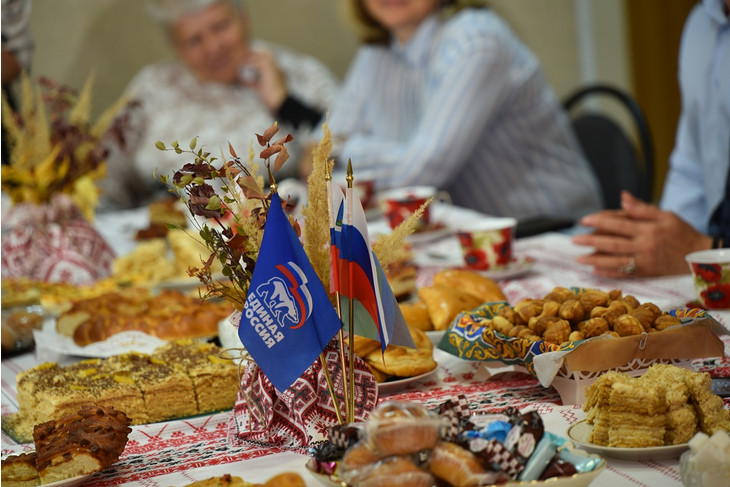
594 327
559 294
627 325
572 310
665 321
557 332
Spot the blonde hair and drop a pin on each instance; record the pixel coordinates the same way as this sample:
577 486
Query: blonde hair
371 31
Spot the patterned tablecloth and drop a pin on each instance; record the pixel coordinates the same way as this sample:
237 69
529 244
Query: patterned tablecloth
178 452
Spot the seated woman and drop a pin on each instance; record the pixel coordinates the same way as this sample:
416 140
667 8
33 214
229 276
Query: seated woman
447 96
222 88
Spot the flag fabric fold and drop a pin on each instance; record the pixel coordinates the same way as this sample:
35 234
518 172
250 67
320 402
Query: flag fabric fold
287 319
375 309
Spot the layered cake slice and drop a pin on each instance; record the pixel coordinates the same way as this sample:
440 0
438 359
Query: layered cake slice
168 391
214 376
636 415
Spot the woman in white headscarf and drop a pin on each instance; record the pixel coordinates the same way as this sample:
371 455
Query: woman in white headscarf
222 88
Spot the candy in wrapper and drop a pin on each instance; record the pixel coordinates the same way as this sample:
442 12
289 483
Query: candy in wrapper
539 460
558 468
345 435
495 456
496 430
527 430
581 463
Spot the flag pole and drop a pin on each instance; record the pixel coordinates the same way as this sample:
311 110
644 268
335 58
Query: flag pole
335 264
351 317
274 189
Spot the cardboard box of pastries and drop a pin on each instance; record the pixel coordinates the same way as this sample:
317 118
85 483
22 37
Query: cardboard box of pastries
569 337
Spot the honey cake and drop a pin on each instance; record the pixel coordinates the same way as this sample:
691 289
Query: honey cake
168 392
215 378
110 387
681 416
636 415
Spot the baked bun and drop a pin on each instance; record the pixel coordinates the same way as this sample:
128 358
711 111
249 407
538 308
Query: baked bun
400 428
396 472
445 302
420 339
79 444
416 315
455 465
470 282
402 361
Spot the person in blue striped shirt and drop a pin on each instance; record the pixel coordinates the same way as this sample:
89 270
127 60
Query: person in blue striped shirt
443 93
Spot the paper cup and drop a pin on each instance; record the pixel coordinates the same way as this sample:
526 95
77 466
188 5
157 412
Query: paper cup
398 204
487 244
711 273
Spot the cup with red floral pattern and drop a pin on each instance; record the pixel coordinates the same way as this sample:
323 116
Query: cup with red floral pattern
487 244
711 274
399 203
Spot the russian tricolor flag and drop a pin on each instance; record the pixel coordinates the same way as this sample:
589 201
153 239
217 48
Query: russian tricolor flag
361 277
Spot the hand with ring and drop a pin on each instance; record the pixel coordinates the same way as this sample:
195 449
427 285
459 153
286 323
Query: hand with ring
638 233
629 268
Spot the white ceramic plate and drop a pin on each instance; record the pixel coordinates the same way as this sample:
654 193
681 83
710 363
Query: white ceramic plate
435 336
396 385
73 481
520 265
426 236
580 432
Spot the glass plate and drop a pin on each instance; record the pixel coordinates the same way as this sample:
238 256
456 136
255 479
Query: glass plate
580 432
576 480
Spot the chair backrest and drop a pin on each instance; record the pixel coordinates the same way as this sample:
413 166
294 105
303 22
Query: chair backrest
618 164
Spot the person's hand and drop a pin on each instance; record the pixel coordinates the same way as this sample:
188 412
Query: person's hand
269 82
638 240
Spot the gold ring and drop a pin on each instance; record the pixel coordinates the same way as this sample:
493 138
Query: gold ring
629 268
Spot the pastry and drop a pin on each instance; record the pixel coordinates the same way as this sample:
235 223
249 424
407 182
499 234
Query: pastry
396 472
20 471
181 378
455 465
444 303
167 315
399 428
482 287
80 444
402 361
416 315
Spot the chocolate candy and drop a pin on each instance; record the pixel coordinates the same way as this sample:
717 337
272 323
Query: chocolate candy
558 468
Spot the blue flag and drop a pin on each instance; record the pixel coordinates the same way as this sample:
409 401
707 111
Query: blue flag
288 318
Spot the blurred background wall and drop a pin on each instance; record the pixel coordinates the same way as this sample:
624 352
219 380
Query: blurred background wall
631 44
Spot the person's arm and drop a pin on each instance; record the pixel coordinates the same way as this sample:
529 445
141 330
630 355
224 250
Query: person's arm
654 241
297 113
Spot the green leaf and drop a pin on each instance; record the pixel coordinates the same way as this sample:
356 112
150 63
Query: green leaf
214 203
193 143
160 145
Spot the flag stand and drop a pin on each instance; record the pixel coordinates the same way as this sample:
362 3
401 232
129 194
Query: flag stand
334 263
323 361
351 317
